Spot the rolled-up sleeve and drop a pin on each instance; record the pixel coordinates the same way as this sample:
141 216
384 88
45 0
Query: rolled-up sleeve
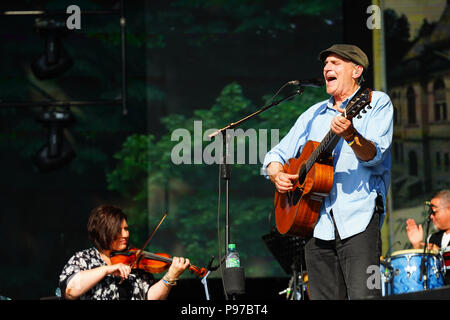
380 128
287 147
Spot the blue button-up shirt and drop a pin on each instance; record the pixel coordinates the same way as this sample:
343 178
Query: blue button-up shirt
356 183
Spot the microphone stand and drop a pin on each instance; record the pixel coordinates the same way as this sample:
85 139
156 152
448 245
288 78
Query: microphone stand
423 264
226 167
210 269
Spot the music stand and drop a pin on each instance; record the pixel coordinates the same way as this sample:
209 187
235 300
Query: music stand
290 254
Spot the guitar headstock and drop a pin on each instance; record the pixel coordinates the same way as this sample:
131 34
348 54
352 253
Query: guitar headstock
359 104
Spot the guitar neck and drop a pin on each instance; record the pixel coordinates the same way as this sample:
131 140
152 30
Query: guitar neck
326 146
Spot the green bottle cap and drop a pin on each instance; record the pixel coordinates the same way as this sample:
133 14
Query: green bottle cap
231 246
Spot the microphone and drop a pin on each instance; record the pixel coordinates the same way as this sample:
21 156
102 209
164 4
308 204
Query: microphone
317 82
430 210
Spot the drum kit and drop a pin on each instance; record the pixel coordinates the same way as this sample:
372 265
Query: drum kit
414 270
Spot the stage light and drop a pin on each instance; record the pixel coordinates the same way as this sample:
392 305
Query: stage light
57 152
55 60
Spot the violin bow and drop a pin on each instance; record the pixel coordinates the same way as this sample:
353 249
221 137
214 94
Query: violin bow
141 251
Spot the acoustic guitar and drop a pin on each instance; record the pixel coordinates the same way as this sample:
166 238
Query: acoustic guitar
297 211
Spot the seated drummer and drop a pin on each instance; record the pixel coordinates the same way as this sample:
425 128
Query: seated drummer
440 216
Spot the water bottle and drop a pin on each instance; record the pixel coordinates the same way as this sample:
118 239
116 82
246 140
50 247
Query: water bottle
232 260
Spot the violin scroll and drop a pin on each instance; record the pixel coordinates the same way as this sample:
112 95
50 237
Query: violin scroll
201 272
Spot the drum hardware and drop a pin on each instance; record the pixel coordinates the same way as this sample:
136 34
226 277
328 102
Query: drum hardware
424 264
387 273
410 270
297 288
435 269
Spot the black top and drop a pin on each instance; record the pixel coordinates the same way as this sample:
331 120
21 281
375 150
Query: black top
436 238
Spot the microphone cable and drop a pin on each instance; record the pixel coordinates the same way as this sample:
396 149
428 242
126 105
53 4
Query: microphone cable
277 93
218 233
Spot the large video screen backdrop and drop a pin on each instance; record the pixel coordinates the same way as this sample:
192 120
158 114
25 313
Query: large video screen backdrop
190 66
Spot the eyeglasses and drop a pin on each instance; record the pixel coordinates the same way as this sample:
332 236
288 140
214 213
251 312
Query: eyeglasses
432 209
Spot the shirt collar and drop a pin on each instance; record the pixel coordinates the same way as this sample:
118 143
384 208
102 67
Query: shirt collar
330 102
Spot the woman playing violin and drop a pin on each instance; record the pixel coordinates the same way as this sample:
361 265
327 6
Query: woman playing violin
90 275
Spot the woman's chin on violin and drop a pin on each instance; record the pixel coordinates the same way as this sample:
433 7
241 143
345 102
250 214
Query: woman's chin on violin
110 270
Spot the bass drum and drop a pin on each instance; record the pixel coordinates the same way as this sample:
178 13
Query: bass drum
386 278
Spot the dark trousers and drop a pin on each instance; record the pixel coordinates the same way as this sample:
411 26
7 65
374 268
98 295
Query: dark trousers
338 269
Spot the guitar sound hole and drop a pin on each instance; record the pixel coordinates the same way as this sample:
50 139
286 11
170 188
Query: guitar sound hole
294 196
302 175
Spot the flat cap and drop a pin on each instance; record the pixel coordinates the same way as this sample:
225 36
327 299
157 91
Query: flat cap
348 51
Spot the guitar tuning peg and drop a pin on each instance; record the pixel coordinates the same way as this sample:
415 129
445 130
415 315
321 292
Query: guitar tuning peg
359 117
369 107
364 111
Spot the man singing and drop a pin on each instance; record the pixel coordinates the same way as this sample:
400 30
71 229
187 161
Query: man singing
346 238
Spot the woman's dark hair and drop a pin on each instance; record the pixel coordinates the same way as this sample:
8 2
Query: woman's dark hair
104 225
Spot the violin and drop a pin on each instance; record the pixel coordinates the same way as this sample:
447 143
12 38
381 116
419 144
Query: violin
150 262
